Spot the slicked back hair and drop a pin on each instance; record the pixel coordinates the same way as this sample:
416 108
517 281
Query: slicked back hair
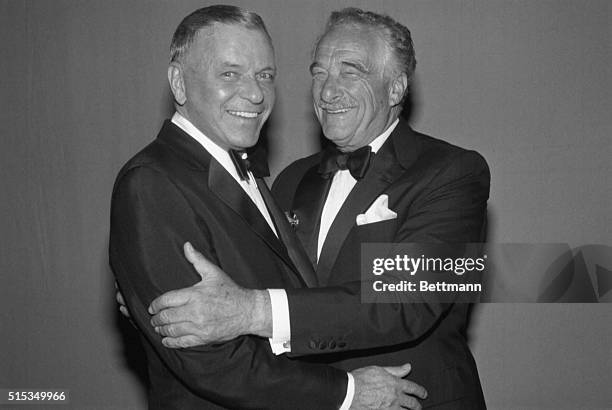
186 31
396 35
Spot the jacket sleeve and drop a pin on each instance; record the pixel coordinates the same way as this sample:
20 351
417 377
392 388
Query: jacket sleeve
150 221
450 209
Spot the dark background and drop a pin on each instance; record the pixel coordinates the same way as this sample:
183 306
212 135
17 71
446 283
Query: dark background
526 83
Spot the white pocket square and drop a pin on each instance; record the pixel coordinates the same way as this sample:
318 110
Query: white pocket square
379 211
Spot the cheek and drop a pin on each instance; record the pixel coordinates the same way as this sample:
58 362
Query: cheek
224 94
269 95
315 90
219 92
368 95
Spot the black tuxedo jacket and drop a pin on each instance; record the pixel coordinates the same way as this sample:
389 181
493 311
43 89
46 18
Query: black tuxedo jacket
172 192
439 192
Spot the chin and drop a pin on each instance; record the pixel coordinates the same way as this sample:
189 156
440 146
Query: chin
244 139
249 142
335 137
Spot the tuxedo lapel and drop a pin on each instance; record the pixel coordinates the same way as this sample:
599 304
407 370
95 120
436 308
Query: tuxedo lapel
225 187
392 159
221 183
294 248
308 206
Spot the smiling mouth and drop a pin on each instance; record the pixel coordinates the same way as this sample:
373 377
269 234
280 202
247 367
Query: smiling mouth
244 114
337 110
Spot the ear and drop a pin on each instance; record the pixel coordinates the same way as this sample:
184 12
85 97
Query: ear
177 82
398 88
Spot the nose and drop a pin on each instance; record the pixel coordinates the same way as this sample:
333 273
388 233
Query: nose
330 91
251 91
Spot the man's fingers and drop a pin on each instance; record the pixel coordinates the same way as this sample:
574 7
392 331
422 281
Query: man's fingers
199 262
170 299
190 253
409 402
119 298
176 330
124 311
169 316
181 342
399 371
122 308
208 271
410 387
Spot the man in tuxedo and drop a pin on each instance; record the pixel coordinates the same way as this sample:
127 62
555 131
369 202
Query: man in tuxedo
430 192
196 181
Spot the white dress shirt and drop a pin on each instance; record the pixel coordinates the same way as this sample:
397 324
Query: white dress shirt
341 186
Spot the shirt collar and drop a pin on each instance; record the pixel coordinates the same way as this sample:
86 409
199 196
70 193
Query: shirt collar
380 140
218 153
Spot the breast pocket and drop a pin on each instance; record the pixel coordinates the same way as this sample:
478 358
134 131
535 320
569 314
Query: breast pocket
383 231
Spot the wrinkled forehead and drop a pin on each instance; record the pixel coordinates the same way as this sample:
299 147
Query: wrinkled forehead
354 40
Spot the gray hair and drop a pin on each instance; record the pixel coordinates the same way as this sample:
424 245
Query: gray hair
396 35
207 16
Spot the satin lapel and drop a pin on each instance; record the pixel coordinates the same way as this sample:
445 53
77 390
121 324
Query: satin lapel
308 205
226 188
397 154
286 233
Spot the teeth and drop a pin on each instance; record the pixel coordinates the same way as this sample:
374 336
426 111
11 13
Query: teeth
340 111
244 114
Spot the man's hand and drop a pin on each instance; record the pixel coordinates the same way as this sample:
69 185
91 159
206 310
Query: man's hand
121 302
214 310
384 388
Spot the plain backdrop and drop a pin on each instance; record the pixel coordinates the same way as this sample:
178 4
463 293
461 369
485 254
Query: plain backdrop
526 83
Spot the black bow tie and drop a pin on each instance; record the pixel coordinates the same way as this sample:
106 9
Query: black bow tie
254 161
357 162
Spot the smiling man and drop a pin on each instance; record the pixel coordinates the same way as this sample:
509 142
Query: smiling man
356 90
196 181
422 190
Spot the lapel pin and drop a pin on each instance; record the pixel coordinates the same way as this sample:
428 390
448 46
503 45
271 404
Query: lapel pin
292 218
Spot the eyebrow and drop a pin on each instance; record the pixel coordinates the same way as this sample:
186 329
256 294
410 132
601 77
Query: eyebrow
227 64
357 66
268 68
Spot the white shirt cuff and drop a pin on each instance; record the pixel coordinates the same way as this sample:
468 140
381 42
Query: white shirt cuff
350 393
281 327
